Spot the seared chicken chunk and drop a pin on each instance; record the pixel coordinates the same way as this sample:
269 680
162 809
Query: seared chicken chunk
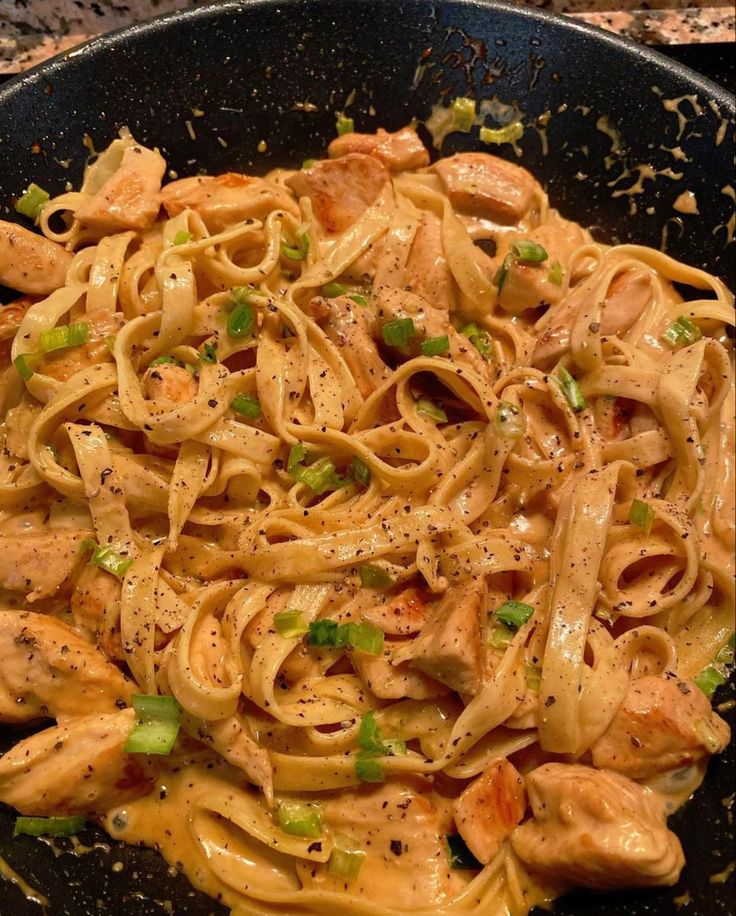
402 615
663 723
131 197
94 591
490 808
225 200
38 564
63 364
427 271
390 681
341 190
78 767
29 262
48 670
169 382
596 829
487 186
397 151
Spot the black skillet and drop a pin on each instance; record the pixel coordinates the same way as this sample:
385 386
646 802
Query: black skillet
276 73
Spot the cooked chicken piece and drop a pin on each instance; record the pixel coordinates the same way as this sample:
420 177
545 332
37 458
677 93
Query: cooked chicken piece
48 670
663 723
389 681
402 615
63 364
131 197
528 284
341 190
38 564
596 829
402 830
398 151
487 186
628 295
449 646
12 314
490 808
29 262
225 200
76 768
94 591
427 271
169 382
348 325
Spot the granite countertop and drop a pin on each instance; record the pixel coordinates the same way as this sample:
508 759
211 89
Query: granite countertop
32 30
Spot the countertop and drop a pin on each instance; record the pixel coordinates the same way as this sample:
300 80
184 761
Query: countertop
32 30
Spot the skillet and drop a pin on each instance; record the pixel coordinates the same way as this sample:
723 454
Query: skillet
251 85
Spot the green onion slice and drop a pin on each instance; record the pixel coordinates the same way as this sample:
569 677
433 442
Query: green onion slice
24 364
528 251
398 333
514 613
372 742
66 335
571 390
435 346
247 405
682 331
503 271
345 862
709 680
321 477
480 339
506 134
509 420
208 354
358 299
298 819
641 514
322 633
556 274
344 125
501 636
106 558
463 114
296 253
157 725
460 856
48 826
426 408
240 321
368 770
374 577
182 237
333 289
360 471
31 201
308 163
361 636
290 624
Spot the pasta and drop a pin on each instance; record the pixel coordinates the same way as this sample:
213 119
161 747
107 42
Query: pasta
398 508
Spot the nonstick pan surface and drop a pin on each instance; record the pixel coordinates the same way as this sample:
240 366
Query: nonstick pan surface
250 85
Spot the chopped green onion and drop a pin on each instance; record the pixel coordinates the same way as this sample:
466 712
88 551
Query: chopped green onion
299 819
501 636
163 361
66 335
427 409
460 856
514 613
321 477
48 826
106 558
434 346
182 237
503 271
22 365
156 727
372 742
31 201
240 321
308 163
290 624
682 331
344 125
506 134
479 339
360 471
641 514
725 655
208 354
571 390
604 614
709 680
345 863
556 274
241 295
333 289
368 770
398 333
533 677
247 405
297 456
322 633
374 577
509 420
358 299
463 114
296 253
529 251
